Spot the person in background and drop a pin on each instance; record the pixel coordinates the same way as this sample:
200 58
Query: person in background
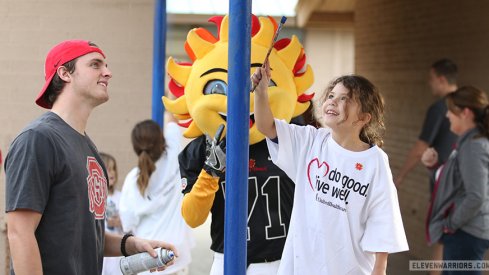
458 215
56 183
151 195
436 129
113 222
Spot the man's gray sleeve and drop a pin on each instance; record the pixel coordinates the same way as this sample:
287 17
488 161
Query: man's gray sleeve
29 167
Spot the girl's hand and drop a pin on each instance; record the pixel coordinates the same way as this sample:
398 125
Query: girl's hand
429 157
261 78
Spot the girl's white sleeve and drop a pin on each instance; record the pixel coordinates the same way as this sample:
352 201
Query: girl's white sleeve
173 136
165 180
293 142
384 230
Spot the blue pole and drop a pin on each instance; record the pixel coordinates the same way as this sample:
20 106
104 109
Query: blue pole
237 145
159 51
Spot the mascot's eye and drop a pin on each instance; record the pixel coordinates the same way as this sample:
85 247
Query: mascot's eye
216 87
272 83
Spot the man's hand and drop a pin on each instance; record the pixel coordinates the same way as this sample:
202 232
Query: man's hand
136 245
215 153
429 157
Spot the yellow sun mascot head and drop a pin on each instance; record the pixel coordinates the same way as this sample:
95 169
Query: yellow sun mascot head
201 87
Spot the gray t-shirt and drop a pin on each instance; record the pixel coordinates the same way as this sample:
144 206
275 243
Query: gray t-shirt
54 170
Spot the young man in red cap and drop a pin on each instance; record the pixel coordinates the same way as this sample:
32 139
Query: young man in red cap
56 183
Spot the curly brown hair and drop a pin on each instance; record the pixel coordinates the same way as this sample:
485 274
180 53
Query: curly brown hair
370 101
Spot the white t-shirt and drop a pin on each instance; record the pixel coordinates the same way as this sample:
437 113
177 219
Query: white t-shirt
345 204
157 214
111 264
115 199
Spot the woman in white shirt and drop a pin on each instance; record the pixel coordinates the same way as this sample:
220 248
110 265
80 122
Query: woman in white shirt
151 196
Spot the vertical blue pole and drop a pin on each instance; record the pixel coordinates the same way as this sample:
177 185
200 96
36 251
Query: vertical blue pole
237 144
159 51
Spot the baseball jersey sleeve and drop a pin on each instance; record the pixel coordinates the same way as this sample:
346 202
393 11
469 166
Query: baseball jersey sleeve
30 170
384 230
198 186
191 161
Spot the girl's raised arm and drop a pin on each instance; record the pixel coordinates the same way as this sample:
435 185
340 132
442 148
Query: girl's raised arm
263 114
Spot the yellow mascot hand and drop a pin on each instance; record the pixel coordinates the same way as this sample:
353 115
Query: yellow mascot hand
197 204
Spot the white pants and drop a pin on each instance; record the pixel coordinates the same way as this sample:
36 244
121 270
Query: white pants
269 268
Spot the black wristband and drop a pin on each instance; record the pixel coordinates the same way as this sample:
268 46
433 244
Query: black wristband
123 244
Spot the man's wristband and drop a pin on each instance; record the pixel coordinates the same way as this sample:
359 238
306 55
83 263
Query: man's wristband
123 244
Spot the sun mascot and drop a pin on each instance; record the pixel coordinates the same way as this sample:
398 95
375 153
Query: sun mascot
201 90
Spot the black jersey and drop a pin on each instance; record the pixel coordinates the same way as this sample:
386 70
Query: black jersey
270 198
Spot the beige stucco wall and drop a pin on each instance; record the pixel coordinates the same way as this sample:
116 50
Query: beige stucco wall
330 52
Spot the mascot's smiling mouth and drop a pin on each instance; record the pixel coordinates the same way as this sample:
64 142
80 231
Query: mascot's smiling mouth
252 118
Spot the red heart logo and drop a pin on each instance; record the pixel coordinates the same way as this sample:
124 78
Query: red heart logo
317 169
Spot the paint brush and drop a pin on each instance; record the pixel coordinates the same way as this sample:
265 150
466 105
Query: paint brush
275 36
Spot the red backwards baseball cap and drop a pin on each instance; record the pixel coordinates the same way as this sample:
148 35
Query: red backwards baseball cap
59 55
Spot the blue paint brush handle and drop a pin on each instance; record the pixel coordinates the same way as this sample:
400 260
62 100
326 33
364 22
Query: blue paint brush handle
275 36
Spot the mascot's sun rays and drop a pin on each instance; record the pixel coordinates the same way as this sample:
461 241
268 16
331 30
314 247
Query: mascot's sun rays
201 86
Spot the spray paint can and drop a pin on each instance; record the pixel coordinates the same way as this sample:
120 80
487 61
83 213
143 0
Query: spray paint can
141 262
